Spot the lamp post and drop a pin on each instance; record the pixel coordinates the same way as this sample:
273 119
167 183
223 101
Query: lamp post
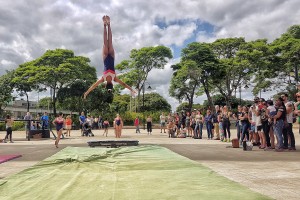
240 90
149 88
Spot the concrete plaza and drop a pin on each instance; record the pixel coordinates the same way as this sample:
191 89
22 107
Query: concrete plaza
275 174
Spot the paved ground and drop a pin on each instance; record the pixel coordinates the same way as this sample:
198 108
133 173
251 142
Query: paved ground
275 174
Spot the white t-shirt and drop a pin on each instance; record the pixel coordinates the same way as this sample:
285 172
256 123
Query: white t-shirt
199 118
257 119
89 121
162 119
289 117
271 109
253 115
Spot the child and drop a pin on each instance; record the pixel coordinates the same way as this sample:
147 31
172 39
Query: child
171 126
106 125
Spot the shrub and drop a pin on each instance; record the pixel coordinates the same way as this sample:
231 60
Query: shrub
17 126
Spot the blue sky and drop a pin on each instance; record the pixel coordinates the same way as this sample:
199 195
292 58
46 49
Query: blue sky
28 30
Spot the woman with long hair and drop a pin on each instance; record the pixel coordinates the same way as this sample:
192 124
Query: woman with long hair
226 124
279 122
149 125
8 125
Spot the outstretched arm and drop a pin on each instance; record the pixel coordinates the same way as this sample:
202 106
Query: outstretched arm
93 87
124 84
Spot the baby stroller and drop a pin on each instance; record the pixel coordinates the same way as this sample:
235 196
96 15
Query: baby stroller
87 130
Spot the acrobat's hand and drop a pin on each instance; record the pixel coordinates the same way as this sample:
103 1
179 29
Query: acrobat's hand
133 92
85 94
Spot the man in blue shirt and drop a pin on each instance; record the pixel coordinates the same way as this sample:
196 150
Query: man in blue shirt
45 121
81 121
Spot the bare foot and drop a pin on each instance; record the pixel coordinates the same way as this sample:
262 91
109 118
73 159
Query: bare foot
107 19
104 20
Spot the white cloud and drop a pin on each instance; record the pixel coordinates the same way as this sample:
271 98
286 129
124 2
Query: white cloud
28 30
176 34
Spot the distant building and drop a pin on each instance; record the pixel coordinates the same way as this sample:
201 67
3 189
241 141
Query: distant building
18 108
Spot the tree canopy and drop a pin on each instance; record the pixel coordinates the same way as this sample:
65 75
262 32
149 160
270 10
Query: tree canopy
57 69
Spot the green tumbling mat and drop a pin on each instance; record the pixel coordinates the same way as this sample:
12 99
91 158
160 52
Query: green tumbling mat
139 172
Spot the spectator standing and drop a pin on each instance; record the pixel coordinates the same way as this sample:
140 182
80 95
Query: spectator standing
68 125
105 126
162 119
288 128
45 121
28 123
209 124
199 125
149 125
8 126
137 125
216 123
82 119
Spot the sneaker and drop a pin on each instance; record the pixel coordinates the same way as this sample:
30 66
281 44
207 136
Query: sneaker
11 141
4 141
279 150
292 149
225 140
229 140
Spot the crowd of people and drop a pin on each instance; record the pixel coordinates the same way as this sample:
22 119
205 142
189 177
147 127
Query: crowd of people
267 124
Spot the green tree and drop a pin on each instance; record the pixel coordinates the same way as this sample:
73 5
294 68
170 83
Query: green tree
120 103
185 107
185 82
286 51
220 100
195 72
155 102
6 89
57 69
23 83
232 69
141 62
70 98
45 103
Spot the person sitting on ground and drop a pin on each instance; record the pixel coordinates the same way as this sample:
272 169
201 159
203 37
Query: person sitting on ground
170 128
182 131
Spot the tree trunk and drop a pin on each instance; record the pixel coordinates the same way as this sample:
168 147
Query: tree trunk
209 99
27 99
54 102
138 100
190 105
